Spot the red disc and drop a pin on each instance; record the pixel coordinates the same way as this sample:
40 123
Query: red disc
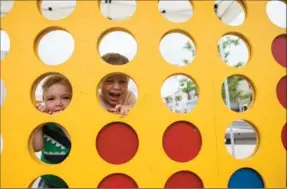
182 141
283 136
117 143
118 181
184 179
279 49
281 91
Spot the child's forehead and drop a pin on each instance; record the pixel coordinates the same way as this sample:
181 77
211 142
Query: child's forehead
57 86
117 76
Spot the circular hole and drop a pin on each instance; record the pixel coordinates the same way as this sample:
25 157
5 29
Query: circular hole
5 8
51 143
177 48
283 136
57 10
245 178
175 11
2 92
52 93
55 47
48 181
5 44
179 93
118 42
233 50
184 179
117 143
237 93
276 11
117 93
182 141
279 49
281 91
118 180
240 139
118 10
1 143
231 13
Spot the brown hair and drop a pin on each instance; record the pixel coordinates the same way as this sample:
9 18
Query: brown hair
115 59
56 78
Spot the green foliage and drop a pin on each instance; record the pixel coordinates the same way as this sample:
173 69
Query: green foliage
187 86
233 82
188 46
234 92
168 99
178 98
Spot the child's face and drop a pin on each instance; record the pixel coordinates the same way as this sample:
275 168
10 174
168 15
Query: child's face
114 88
57 97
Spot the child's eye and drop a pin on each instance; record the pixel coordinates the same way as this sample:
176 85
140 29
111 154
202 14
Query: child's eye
66 97
109 81
51 98
123 81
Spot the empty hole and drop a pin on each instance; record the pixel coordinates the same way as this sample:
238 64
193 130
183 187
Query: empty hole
179 93
118 93
48 181
231 12
233 50
281 91
52 93
177 48
118 42
55 47
5 7
51 143
283 136
118 10
182 141
276 11
245 178
1 144
2 92
56 10
184 179
117 143
279 49
240 139
176 11
5 44
118 180
237 93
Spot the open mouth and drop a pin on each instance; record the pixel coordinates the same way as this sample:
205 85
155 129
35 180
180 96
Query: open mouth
115 96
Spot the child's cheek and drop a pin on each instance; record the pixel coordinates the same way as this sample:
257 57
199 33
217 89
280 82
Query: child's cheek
105 95
49 105
66 103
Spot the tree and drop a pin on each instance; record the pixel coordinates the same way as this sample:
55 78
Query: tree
188 46
177 99
239 64
227 43
234 92
187 86
233 82
168 99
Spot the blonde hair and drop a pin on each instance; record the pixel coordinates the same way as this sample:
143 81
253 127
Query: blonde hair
54 79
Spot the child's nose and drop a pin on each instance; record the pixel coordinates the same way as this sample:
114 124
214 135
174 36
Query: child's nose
116 85
59 102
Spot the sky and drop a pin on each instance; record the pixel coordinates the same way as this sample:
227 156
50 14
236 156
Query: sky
57 46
